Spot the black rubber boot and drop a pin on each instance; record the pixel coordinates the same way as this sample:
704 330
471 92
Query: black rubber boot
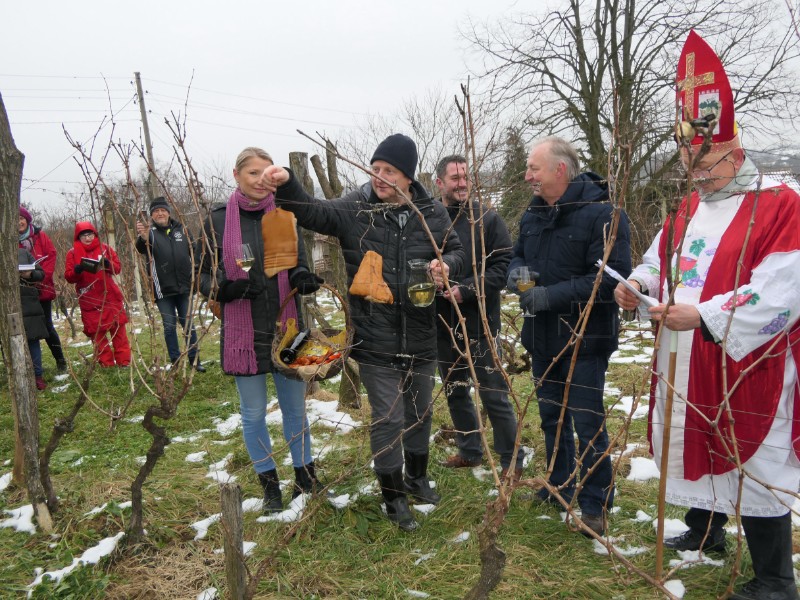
396 501
417 484
305 481
273 502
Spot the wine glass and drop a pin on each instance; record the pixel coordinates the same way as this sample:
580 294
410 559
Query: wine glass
246 262
524 282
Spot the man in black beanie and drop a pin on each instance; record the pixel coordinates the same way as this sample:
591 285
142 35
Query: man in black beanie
167 247
395 340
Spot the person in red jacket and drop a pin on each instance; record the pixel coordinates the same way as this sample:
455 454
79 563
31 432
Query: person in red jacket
35 241
91 266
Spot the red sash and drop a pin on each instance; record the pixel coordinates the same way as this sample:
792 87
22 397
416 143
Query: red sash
756 393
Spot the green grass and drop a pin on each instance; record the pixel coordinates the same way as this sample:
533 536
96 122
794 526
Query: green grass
350 553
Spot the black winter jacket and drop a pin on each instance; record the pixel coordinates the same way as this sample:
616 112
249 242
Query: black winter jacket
385 334
169 254
265 307
32 311
496 247
562 243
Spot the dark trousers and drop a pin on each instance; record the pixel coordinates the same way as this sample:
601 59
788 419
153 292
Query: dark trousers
53 341
769 540
169 307
401 403
457 380
585 415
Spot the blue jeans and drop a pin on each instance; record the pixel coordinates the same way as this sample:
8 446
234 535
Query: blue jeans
35 348
168 307
585 415
253 407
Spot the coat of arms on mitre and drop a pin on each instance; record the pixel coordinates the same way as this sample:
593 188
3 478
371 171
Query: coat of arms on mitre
708 103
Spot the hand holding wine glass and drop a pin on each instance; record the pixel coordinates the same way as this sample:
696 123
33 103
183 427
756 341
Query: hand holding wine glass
245 263
524 281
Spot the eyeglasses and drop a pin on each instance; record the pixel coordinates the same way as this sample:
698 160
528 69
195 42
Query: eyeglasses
705 170
86 234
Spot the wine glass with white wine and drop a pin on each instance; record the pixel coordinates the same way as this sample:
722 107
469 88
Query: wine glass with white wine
246 262
524 282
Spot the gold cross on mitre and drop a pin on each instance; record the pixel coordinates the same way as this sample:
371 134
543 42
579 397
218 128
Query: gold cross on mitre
691 82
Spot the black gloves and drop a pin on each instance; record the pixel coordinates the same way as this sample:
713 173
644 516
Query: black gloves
534 300
241 289
306 282
78 269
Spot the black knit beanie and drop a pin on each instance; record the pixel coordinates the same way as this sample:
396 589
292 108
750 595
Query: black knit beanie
159 202
400 151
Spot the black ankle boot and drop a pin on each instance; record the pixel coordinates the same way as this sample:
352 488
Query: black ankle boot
396 501
273 501
769 540
416 480
305 481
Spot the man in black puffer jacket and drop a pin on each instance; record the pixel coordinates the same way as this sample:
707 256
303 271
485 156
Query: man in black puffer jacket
488 234
167 247
561 236
395 342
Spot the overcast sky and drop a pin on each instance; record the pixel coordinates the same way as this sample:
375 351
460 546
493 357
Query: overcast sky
258 71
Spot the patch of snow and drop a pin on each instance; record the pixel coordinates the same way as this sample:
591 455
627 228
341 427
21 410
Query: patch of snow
625 404
643 469
179 439
461 537
642 517
216 471
672 527
62 377
424 557
202 526
627 360
424 508
292 514
676 587
80 344
90 557
196 457
626 551
481 473
252 505
340 501
98 509
59 389
208 594
325 414
417 594
5 481
229 425
692 558
247 547
21 519
137 419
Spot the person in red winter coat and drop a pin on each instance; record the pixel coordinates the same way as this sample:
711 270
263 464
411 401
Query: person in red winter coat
91 266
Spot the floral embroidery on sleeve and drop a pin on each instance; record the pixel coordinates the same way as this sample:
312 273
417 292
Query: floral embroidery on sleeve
746 297
777 324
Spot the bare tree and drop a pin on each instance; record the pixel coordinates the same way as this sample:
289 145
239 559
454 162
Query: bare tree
597 71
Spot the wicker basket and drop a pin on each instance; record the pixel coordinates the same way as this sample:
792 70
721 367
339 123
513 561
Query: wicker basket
334 341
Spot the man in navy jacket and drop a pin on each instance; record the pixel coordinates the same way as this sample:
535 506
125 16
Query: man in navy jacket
562 234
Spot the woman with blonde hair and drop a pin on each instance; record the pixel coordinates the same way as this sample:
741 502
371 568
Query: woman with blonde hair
250 302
